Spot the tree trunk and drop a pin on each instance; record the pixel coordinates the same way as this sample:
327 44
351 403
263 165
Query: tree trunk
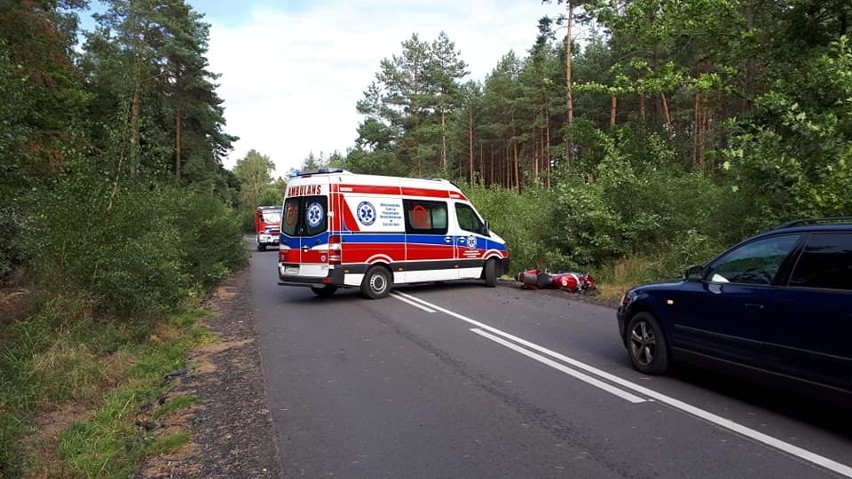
470 140
547 142
491 155
613 109
696 128
569 85
666 116
481 164
537 146
516 160
135 108
702 136
443 139
177 144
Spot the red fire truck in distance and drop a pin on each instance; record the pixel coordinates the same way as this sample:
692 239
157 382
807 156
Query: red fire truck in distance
267 225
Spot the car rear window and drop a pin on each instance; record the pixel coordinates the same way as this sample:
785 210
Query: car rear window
826 262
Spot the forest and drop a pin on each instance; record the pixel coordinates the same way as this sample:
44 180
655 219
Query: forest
661 133
672 129
632 139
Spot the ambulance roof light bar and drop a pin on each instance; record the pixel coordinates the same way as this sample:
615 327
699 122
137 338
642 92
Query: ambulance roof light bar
321 171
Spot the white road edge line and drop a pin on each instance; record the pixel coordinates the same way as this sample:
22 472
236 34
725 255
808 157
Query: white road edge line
406 300
719 421
560 367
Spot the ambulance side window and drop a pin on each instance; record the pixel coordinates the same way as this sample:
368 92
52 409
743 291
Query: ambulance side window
468 219
425 217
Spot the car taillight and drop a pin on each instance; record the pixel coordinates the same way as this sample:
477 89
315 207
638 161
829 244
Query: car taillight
334 249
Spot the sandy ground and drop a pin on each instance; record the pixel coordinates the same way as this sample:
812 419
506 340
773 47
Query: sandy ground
231 426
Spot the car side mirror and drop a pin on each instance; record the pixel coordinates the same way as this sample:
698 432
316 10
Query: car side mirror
694 273
486 229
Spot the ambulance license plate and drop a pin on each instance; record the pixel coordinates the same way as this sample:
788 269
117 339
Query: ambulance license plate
291 270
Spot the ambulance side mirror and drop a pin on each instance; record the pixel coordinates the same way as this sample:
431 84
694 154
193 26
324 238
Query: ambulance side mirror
486 229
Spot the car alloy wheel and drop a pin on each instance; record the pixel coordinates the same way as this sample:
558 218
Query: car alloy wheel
647 345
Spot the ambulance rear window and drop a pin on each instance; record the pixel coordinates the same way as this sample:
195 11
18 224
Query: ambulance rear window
425 217
305 216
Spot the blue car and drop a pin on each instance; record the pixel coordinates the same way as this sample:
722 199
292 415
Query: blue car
779 303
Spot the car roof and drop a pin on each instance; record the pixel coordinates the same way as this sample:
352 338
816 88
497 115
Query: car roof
809 225
840 222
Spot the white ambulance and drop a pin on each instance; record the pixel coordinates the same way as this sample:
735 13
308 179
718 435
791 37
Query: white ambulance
340 229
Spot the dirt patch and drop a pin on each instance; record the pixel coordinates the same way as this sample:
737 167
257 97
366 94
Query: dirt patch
14 303
231 426
44 441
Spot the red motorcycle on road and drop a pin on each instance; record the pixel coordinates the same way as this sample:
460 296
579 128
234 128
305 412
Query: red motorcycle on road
565 281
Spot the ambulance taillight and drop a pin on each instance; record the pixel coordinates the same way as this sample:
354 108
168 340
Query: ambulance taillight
334 249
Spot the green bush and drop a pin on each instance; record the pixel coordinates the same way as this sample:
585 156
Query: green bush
211 243
521 220
636 200
11 253
142 248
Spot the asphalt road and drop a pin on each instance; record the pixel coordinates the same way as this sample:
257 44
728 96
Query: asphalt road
463 381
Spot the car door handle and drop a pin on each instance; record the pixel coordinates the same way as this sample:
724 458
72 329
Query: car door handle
754 307
448 239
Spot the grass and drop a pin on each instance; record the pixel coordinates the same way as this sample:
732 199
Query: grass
104 373
175 404
614 278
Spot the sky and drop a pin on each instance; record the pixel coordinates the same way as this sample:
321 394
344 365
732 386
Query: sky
292 71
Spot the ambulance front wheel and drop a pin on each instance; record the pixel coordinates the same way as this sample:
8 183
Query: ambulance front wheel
490 273
376 283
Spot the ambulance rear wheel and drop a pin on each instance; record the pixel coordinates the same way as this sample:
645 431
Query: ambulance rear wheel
490 273
324 291
376 283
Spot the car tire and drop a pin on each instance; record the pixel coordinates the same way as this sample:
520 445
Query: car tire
261 247
324 291
490 273
376 283
646 344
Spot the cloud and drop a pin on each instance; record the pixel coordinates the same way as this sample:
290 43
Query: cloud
291 77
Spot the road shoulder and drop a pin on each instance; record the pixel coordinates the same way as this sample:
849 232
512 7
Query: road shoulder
233 434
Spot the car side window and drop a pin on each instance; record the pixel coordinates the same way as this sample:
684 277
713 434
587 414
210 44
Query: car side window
754 263
468 219
826 262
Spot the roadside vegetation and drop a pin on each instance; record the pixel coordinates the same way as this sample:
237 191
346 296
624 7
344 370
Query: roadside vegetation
673 130
116 219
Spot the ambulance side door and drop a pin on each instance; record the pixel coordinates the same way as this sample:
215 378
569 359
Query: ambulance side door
470 239
430 253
